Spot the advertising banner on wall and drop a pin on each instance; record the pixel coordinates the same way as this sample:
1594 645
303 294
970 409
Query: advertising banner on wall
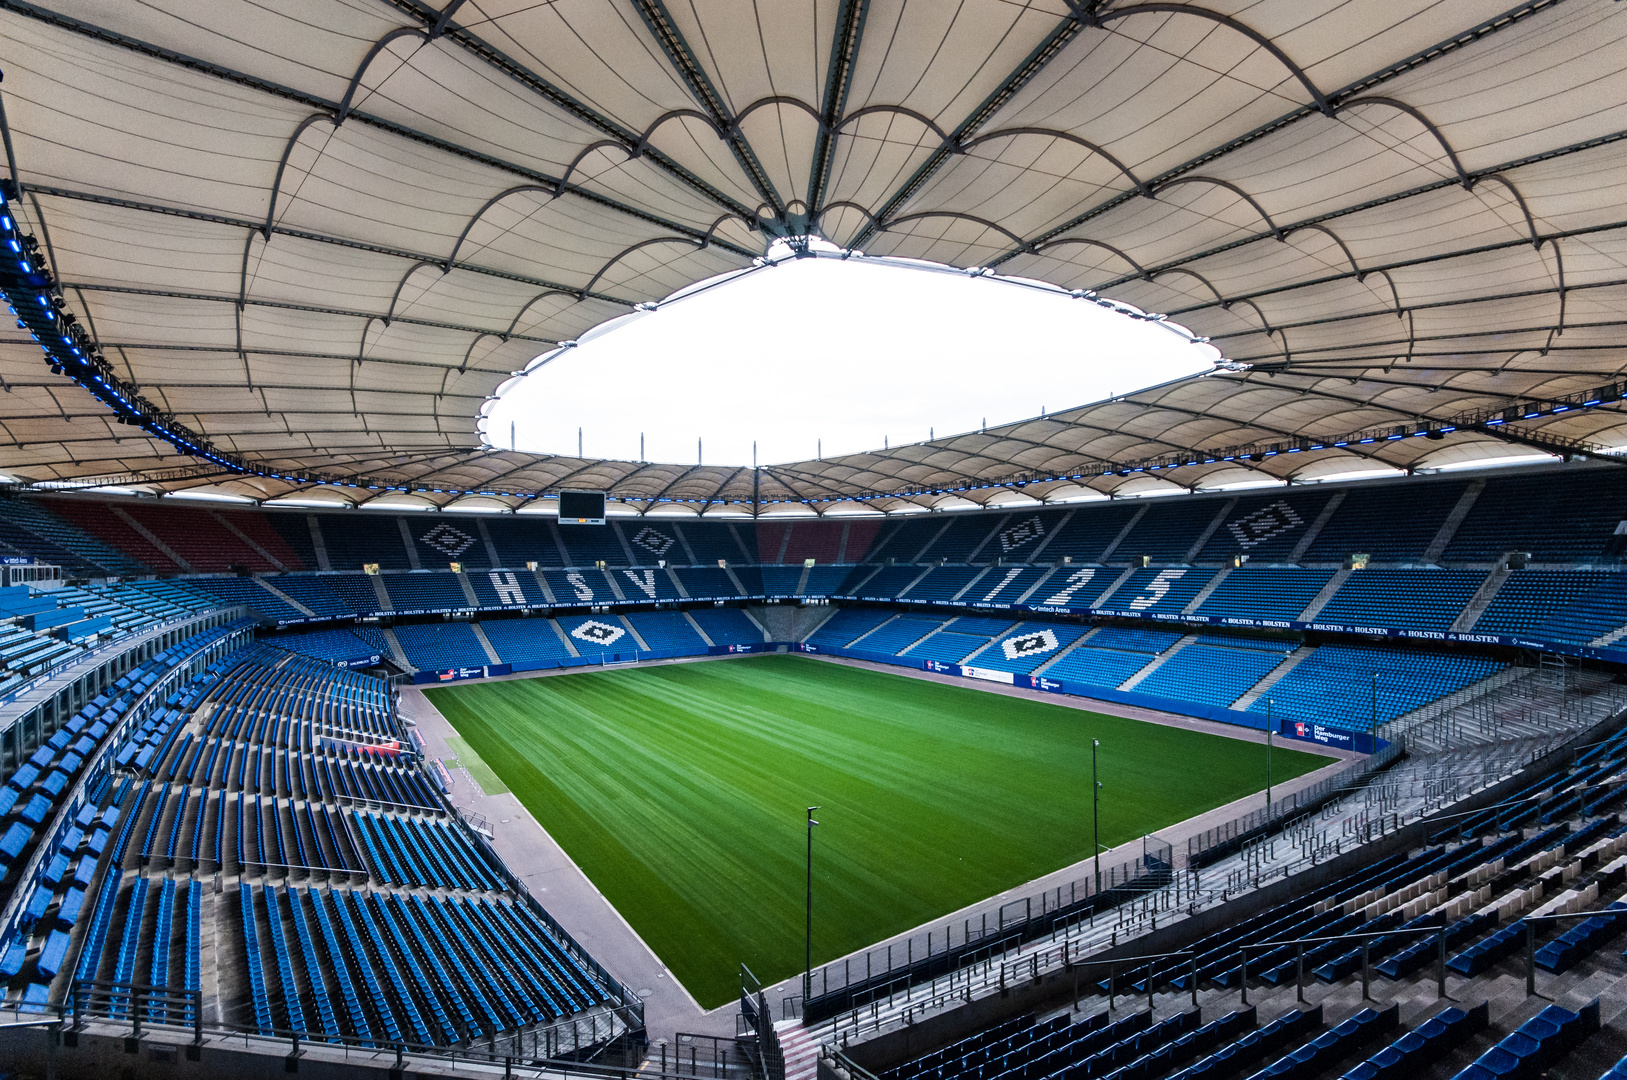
1361 742
458 674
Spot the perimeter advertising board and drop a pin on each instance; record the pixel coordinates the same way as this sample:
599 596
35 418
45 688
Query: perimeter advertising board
458 674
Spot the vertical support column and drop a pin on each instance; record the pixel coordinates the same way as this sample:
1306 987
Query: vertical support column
1530 960
1440 963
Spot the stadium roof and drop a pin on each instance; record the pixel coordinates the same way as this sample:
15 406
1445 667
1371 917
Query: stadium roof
318 234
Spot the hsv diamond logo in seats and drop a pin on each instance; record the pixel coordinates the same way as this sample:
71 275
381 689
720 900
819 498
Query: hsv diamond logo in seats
1033 644
444 538
1266 522
597 633
653 540
1015 536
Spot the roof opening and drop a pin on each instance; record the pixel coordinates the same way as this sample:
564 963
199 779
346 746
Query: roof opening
824 352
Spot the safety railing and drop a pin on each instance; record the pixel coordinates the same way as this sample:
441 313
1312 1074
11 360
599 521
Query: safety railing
1216 843
853 980
594 1046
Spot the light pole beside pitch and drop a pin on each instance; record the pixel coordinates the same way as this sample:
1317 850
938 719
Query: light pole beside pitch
1270 730
807 967
1096 815
1372 725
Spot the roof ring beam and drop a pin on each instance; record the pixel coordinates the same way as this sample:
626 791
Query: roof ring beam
402 284
624 252
1007 133
282 165
1102 18
1234 189
348 101
1429 126
1040 248
1530 222
489 203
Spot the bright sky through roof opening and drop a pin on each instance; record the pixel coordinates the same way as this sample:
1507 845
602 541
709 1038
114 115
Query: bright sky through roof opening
835 356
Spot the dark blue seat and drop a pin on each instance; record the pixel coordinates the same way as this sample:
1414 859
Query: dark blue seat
1527 1051
14 840
55 951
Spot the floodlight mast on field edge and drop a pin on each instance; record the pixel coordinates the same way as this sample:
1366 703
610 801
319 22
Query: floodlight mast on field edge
1095 814
1270 728
807 967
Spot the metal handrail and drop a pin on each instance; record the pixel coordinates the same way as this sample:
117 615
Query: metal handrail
139 998
1112 966
1439 932
1531 939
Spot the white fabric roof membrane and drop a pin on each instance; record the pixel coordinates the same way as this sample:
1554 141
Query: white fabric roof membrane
322 232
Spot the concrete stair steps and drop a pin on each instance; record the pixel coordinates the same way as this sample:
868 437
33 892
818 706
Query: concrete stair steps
1272 677
1158 662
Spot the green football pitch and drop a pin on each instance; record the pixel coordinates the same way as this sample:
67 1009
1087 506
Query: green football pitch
681 791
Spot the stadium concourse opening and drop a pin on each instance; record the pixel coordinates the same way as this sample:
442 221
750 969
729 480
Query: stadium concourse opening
814 351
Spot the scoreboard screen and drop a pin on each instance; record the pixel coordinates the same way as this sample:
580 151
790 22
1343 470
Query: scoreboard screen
581 508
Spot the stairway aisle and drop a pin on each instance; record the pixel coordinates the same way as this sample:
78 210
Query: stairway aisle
800 1048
